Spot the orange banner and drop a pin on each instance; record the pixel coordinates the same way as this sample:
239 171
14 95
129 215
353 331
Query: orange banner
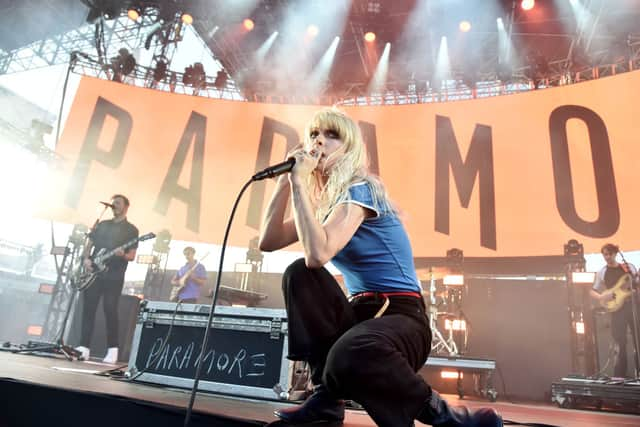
514 175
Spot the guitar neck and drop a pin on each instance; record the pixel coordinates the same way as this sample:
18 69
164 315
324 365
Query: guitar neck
121 247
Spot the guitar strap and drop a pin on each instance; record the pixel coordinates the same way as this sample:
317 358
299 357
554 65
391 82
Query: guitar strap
625 267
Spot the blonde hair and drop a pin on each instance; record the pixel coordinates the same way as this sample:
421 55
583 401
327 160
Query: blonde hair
350 167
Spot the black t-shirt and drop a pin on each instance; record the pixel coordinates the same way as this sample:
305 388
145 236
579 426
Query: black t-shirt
612 275
110 234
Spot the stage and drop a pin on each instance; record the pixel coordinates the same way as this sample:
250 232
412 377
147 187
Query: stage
50 391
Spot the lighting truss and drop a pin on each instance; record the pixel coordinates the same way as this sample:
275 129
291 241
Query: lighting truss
118 33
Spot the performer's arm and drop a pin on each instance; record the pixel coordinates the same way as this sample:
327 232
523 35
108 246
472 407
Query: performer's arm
320 241
129 255
277 232
175 279
598 287
86 253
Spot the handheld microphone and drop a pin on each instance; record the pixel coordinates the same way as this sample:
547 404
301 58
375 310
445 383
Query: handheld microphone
275 170
108 205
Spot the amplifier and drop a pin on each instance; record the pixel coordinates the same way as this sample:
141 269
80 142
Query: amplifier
245 355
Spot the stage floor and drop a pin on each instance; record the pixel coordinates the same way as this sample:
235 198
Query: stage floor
60 376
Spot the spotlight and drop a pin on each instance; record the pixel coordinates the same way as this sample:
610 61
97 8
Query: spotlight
583 277
527 4
373 7
465 26
186 18
134 13
195 76
161 244
160 72
312 30
573 248
248 24
123 64
451 375
370 37
221 80
453 280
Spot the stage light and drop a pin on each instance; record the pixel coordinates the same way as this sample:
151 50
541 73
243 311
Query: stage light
465 26
243 267
370 37
320 73
161 244
312 30
147 259
262 51
453 280
373 7
34 330
59 250
379 79
221 80
248 24
527 4
123 64
160 71
195 76
46 288
573 248
579 328
133 13
583 277
455 325
187 19
451 375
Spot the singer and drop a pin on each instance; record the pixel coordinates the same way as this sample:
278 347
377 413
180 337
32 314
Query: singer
367 347
107 234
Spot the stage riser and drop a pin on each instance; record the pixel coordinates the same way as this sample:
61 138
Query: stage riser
524 326
72 408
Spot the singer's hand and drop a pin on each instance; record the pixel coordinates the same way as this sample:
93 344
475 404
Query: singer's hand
305 164
295 150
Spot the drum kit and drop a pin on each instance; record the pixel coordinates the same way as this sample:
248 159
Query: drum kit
449 326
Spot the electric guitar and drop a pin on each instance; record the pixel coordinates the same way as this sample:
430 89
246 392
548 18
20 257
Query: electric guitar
85 277
620 291
175 291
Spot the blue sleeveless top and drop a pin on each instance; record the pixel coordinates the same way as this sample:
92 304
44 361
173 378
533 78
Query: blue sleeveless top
378 257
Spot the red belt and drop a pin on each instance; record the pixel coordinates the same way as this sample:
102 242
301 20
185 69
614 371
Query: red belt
387 294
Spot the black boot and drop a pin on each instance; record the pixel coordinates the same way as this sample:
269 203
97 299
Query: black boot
319 407
438 413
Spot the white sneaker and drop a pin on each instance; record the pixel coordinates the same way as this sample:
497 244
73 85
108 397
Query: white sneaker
84 352
112 355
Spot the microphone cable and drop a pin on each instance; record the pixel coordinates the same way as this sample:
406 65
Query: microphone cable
205 339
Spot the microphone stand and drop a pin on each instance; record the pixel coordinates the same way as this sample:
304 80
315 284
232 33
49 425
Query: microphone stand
59 345
634 313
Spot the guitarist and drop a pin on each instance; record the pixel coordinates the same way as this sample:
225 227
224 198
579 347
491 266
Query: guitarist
191 278
108 285
621 319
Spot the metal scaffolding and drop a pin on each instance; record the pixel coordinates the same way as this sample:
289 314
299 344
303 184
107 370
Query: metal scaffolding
118 33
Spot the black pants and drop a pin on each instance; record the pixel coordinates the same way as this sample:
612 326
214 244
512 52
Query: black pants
110 290
621 320
371 361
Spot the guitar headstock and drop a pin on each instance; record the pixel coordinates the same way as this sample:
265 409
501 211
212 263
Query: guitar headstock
147 237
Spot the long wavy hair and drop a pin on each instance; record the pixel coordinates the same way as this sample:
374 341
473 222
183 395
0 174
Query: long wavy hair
348 165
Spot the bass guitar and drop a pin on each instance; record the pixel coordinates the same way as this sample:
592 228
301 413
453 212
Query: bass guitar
175 291
618 293
85 277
